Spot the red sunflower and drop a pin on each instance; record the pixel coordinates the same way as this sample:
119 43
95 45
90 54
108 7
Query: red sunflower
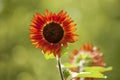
93 58
51 31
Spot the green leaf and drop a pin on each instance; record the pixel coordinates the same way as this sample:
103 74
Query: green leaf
85 55
98 68
49 56
68 65
93 74
64 51
66 73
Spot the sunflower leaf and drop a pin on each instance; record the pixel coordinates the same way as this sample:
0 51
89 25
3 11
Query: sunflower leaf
66 73
68 65
93 74
64 51
98 68
49 56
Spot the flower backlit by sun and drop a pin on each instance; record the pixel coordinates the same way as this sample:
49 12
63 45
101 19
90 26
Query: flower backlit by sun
51 31
87 56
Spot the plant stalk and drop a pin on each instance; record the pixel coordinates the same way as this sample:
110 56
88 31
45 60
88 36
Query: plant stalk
60 68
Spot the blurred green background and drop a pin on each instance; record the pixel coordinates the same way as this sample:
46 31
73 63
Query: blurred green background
98 22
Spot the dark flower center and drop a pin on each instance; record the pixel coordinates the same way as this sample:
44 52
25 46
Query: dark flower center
53 32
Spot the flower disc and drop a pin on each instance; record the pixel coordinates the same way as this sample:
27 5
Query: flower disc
53 32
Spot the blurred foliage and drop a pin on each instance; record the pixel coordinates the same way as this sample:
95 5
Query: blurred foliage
98 22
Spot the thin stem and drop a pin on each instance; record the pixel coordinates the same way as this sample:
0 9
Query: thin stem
60 69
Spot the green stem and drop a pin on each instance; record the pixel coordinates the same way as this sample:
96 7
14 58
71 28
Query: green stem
60 69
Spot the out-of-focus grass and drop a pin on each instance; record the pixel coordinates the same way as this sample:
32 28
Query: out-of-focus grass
98 22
